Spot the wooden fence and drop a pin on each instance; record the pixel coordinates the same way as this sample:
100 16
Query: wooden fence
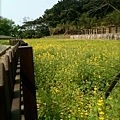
17 85
111 32
97 30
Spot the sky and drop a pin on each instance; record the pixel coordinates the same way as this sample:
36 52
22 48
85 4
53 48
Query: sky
17 10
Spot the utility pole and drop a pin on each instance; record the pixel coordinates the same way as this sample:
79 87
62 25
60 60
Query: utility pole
0 8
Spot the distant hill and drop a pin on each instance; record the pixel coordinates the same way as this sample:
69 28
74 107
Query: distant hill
69 15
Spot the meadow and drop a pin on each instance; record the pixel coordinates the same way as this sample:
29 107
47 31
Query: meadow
72 77
4 42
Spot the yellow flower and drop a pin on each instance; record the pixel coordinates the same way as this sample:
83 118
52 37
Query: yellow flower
86 113
81 103
109 98
81 114
99 76
89 105
62 113
38 106
101 118
94 92
56 90
99 109
101 113
79 109
95 88
100 102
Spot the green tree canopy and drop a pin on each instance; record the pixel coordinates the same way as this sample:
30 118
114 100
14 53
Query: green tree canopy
69 15
7 27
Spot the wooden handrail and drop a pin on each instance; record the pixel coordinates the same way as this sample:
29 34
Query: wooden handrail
13 67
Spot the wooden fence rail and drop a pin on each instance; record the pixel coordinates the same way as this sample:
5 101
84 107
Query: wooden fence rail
103 32
97 30
16 72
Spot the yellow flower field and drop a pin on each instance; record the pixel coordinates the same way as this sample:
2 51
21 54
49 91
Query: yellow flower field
72 77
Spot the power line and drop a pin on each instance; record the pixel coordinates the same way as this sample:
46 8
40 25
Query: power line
113 7
97 8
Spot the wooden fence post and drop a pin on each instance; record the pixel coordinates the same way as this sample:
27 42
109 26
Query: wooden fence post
112 85
11 70
3 110
4 97
116 29
28 82
7 81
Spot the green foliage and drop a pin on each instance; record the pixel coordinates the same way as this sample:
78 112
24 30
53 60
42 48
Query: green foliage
72 77
4 42
69 15
7 27
112 19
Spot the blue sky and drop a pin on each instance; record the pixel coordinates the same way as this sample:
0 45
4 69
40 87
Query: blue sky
19 9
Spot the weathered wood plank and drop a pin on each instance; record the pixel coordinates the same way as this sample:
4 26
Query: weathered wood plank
4 95
16 106
28 82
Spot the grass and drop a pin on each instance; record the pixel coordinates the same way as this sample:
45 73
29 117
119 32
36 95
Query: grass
4 42
72 77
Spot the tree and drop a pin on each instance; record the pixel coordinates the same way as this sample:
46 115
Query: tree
69 15
7 27
112 19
